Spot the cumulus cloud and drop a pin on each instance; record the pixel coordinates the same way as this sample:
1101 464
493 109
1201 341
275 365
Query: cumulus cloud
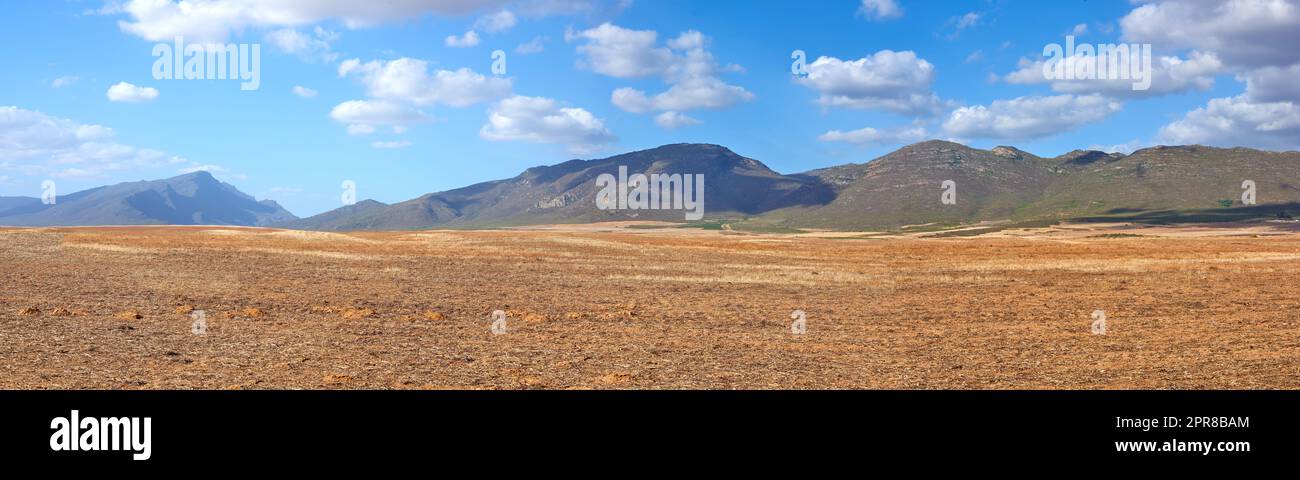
887 80
215 20
674 120
1273 84
1237 121
622 53
1028 117
126 92
1243 33
536 45
589 8
206 167
683 62
362 116
966 21
469 39
1124 148
304 92
361 129
880 9
1255 39
543 120
34 143
872 136
64 81
1169 75
308 47
496 22
408 80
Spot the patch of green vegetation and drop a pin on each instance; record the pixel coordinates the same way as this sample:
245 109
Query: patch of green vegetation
736 225
964 233
1214 215
706 225
1226 203
1041 223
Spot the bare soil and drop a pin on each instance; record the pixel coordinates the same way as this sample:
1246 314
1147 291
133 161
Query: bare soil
612 307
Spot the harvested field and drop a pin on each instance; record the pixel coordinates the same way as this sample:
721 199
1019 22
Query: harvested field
612 307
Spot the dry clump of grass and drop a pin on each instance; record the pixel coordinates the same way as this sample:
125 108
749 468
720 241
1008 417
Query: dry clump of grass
251 312
61 312
336 378
29 311
129 315
184 309
358 313
435 316
616 378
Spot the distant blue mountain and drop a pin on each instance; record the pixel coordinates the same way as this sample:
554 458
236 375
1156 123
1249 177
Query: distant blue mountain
191 199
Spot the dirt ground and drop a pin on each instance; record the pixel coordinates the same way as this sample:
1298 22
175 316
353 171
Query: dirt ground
612 307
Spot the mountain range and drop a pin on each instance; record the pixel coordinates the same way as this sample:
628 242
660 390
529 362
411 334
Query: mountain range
191 199
900 189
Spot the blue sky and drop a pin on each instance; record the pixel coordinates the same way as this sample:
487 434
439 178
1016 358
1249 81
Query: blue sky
402 110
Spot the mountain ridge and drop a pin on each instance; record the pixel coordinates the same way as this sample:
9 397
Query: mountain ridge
195 198
899 188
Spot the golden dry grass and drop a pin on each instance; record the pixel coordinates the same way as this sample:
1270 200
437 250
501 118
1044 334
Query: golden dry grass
612 308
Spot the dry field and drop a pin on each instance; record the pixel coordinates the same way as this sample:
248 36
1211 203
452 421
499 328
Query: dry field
610 307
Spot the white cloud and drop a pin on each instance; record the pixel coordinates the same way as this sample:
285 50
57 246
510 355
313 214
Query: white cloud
966 21
394 145
543 120
536 45
1079 30
210 168
1257 40
1274 84
1028 117
622 53
362 115
126 92
872 136
887 80
683 63
496 22
674 120
64 81
215 20
1237 121
360 129
1243 33
1124 148
34 143
469 39
706 92
307 47
880 9
304 92
408 80
1168 75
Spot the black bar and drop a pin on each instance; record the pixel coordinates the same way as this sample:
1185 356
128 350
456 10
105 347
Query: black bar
461 428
